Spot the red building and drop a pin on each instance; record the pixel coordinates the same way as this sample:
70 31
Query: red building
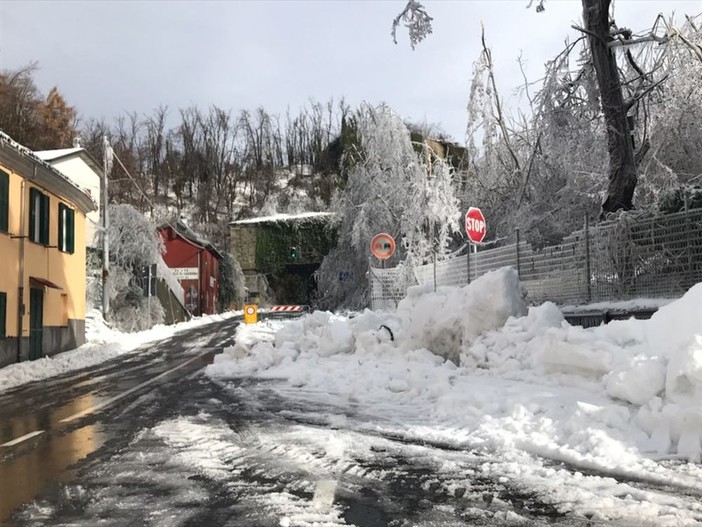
195 263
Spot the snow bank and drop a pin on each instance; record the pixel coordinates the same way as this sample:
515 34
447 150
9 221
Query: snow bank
102 344
614 399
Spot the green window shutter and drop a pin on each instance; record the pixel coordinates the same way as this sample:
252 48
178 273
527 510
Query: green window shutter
66 229
33 213
45 219
71 230
61 226
3 314
4 200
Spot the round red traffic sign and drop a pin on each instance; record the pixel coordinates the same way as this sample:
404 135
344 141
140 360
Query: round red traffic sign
382 246
476 228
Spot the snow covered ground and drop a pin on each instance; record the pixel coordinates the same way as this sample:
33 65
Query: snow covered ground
604 423
103 344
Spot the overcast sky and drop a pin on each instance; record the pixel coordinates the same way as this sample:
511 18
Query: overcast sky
109 57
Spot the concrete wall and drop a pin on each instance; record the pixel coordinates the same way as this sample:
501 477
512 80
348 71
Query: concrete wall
175 312
242 242
54 340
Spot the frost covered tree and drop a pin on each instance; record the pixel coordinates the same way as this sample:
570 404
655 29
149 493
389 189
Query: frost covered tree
393 186
232 289
613 78
134 244
675 158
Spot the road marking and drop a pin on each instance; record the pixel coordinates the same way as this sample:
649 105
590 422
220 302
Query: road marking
23 438
116 398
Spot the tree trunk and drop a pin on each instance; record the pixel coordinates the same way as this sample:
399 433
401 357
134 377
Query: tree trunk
622 164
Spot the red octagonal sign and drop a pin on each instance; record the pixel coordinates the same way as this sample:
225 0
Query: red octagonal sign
475 225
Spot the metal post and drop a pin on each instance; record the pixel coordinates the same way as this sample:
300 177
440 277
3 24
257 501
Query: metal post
370 284
690 274
105 235
435 272
588 280
468 262
519 271
475 258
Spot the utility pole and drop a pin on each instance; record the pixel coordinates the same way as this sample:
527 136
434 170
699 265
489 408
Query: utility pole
107 161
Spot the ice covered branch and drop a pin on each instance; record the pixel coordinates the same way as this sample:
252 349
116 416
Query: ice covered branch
416 20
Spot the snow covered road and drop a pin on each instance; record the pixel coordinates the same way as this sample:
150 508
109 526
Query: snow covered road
430 415
245 456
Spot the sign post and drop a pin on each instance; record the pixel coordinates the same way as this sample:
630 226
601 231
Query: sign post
476 229
382 246
476 226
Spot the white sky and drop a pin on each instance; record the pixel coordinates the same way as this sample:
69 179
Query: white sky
109 57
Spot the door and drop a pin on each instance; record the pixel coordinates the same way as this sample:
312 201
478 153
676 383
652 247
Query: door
36 323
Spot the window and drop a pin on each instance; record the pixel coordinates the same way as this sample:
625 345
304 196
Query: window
4 200
38 217
66 229
3 314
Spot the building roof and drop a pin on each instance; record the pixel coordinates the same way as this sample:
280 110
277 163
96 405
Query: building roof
60 154
43 173
186 232
51 155
284 218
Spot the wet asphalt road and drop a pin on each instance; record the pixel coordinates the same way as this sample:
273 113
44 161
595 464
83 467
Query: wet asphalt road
55 407
119 448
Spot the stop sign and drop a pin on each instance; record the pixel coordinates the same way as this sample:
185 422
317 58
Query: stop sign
475 225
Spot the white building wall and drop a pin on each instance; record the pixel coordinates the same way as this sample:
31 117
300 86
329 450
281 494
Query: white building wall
82 175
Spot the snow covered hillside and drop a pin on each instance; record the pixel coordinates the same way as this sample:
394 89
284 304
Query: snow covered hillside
579 415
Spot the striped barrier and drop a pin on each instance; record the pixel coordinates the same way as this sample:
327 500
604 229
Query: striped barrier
286 309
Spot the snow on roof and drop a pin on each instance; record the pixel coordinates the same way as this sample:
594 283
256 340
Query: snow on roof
50 155
282 218
23 150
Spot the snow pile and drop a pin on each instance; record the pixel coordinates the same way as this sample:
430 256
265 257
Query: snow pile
102 344
618 399
452 317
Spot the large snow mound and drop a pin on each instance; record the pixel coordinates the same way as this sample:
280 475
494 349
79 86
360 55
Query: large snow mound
453 317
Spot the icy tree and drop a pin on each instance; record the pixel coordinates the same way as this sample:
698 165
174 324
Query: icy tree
675 111
611 77
416 20
232 289
543 172
134 244
394 186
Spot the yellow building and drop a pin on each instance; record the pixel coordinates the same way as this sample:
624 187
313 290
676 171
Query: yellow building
42 257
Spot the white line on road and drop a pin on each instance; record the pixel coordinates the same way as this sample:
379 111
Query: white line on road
23 438
111 400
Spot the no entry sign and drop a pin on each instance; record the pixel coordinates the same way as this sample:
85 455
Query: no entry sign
382 246
476 227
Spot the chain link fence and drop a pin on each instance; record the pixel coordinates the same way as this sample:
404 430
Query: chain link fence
633 257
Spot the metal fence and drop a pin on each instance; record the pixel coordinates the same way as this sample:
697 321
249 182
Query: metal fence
632 257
